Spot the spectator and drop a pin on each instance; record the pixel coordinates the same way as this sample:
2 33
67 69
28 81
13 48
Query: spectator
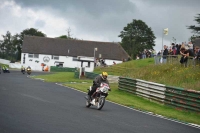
197 55
191 50
154 53
137 57
165 53
174 49
159 53
190 45
185 54
170 51
98 63
177 49
144 54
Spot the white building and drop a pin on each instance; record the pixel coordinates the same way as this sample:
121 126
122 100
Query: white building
68 53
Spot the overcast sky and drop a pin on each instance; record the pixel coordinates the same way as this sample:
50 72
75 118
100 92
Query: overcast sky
99 20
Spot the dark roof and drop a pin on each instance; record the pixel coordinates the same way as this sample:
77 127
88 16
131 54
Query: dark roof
197 42
58 46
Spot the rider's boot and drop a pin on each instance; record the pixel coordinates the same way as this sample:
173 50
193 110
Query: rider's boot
93 102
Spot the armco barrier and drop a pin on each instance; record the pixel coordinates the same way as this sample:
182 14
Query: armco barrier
173 96
181 98
150 90
143 88
62 69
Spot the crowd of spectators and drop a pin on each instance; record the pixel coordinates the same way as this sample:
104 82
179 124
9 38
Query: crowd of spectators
186 50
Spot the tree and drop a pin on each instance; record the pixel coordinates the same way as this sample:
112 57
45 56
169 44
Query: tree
195 29
63 36
68 36
7 47
18 38
136 37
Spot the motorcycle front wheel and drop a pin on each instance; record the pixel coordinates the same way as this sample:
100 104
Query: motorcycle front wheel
101 103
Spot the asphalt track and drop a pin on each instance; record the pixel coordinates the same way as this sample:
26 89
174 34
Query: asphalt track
33 106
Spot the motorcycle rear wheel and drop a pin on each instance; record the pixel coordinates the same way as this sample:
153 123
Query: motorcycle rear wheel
101 103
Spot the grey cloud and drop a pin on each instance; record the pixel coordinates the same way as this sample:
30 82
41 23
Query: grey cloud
95 17
177 3
39 23
94 7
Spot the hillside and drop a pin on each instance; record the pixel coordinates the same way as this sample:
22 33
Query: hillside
168 74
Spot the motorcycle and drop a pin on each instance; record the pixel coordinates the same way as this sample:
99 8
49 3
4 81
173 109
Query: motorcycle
99 96
5 70
28 71
23 70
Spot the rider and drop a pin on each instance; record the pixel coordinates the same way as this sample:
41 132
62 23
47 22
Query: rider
28 67
22 68
4 68
97 82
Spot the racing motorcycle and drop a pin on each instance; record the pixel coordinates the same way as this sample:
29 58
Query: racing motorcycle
6 70
23 70
99 96
28 71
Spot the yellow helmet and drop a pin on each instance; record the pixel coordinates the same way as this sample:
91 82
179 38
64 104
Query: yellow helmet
104 75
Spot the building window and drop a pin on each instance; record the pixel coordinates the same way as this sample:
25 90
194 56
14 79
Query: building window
55 57
33 55
74 59
30 55
36 55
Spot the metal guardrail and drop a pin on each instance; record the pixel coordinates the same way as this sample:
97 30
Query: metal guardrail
181 98
143 88
173 96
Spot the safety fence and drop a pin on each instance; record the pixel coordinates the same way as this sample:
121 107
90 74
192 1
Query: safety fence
173 96
62 69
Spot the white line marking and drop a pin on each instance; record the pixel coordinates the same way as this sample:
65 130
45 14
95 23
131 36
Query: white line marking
36 98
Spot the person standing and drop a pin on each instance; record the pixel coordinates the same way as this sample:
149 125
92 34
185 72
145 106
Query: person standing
165 53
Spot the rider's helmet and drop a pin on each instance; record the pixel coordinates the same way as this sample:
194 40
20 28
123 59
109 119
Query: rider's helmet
104 75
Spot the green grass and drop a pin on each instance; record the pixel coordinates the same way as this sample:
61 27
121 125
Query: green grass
61 77
167 74
124 98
